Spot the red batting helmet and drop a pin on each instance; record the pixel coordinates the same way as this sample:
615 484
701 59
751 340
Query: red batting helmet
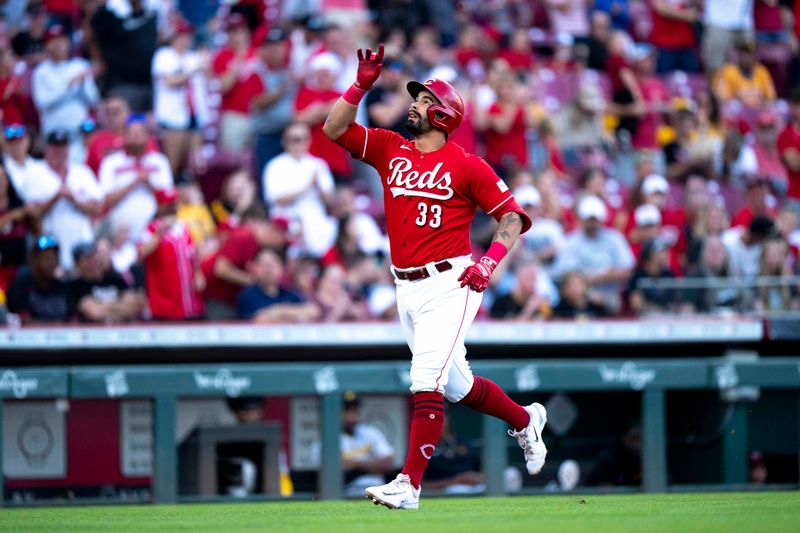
446 115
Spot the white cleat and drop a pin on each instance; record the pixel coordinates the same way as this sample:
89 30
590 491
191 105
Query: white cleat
530 438
397 494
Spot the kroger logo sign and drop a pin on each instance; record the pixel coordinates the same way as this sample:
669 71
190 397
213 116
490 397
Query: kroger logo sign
637 378
19 387
222 380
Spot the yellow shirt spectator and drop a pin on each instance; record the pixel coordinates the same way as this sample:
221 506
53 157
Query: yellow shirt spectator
753 91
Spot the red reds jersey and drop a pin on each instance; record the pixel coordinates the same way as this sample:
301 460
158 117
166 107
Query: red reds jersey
170 275
430 198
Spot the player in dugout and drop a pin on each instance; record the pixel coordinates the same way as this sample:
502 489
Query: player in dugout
432 189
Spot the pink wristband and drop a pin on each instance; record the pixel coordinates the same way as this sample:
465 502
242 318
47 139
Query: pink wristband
353 95
496 252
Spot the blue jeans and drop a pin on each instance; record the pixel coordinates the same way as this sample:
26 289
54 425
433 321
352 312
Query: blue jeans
684 59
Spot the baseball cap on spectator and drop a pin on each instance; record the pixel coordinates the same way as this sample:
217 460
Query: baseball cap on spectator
275 35
351 401
45 242
528 195
54 31
84 249
394 64
316 24
166 197
653 184
14 131
641 51
58 136
647 215
324 61
592 207
761 227
133 118
182 26
236 21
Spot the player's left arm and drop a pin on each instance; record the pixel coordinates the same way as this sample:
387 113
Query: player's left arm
493 196
477 275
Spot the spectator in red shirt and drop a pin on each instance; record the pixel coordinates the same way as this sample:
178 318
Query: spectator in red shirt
519 53
314 102
225 270
647 219
507 121
673 35
13 100
235 65
766 150
789 150
757 202
173 279
468 50
655 96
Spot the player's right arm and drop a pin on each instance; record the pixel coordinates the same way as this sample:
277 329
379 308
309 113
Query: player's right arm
344 110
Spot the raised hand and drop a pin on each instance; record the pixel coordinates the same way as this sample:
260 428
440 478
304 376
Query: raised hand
369 67
478 274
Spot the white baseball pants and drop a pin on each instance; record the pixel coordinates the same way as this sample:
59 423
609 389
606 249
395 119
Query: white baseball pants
435 314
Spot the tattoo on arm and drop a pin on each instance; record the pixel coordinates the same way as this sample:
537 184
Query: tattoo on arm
510 222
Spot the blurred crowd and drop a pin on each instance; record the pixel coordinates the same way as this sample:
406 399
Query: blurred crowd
165 160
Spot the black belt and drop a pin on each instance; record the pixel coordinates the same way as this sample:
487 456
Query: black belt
421 272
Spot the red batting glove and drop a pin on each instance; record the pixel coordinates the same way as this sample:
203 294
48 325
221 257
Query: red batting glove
477 275
369 67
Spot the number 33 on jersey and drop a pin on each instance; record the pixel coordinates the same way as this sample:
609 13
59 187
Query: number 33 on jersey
430 198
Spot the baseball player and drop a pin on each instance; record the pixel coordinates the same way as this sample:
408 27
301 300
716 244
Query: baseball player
432 189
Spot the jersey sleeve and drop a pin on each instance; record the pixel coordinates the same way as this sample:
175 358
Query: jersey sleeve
367 144
491 193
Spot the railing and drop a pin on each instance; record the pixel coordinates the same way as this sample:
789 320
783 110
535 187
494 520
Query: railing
164 385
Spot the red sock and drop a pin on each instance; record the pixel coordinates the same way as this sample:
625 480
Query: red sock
486 397
426 429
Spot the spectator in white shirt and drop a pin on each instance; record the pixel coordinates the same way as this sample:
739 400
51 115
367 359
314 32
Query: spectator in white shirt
179 93
601 254
130 177
64 196
296 186
744 247
17 158
64 90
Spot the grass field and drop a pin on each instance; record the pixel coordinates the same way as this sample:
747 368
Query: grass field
761 511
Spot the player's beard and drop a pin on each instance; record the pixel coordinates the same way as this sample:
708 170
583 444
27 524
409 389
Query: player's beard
418 127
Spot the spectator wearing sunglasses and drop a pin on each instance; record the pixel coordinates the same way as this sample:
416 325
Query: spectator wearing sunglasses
64 196
17 159
38 292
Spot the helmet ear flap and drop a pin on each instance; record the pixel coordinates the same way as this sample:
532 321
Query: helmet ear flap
442 117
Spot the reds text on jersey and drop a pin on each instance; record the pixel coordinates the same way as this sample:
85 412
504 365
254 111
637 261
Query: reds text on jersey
430 198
